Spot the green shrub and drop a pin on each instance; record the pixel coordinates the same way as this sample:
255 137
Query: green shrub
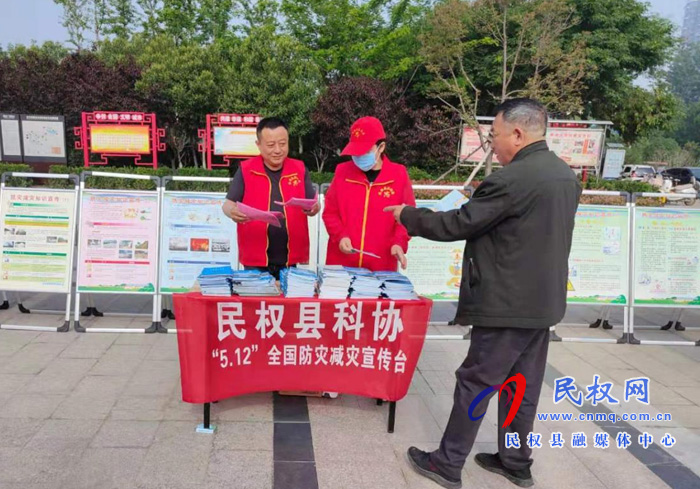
416 173
16 167
321 177
629 186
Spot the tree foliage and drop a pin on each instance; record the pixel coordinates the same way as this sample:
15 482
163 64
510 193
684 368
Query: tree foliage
422 136
402 60
623 40
484 52
647 111
684 74
349 37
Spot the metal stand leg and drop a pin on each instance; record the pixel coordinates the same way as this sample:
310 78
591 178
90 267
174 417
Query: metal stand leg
630 336
625 326
206 426
155 320
66 322
392 416
76 315
553 336
164 313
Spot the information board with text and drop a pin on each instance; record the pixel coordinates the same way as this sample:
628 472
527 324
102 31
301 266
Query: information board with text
118 246
38 229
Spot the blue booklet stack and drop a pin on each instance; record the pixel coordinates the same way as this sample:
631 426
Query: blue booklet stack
396 286
247 283
297 282
215 281
364 285
334 282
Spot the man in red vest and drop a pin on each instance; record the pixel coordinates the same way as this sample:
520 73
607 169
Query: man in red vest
261 182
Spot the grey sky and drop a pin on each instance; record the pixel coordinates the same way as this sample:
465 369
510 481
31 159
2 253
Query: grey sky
24 21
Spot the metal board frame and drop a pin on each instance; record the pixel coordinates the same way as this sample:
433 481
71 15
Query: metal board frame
678 308
155 316
167 312
71 253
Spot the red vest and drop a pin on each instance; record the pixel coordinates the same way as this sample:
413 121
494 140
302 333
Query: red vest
354 208
252 236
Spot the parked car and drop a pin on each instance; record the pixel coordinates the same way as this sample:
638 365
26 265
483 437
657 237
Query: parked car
637 172
684 176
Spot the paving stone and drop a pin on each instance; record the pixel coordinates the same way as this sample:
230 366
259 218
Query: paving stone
125 434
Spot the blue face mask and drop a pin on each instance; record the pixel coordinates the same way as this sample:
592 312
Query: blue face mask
366 161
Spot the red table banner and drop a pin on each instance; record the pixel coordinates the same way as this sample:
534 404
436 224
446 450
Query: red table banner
230 346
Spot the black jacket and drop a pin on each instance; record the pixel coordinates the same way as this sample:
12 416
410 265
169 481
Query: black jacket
518 226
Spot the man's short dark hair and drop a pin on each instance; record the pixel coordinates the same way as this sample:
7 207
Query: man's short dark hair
270 123
526 112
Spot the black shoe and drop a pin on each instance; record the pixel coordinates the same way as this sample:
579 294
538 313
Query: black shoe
492 463
667 326
595 324
679 326
420 461
607 325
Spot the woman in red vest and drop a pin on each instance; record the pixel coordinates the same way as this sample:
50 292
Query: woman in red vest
354 213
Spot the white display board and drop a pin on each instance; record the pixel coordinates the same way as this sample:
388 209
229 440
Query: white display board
667 257
577 147
434 267
38 230
237 141
614 162
10 138
118 246
195 234
599 258
43 138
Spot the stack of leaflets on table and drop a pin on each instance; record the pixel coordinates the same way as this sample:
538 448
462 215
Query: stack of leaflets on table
364 285
396 286
297 282
215 280
334 282
248 283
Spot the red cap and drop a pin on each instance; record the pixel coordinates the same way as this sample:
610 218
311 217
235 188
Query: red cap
364 133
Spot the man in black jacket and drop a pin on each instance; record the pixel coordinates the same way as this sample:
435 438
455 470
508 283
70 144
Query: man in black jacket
518 226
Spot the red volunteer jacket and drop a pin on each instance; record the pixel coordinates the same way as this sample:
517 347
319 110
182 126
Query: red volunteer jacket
252 236
354 209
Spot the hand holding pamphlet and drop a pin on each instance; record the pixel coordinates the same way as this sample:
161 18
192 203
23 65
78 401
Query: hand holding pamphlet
304 204
271 218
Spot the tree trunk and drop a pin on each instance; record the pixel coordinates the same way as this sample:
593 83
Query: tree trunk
195 161
489 165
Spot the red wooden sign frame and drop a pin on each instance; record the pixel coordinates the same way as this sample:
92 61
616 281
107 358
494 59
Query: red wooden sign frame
89 119
223 120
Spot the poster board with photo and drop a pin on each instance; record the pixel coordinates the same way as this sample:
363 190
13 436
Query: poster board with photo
118 247
38 239
195 234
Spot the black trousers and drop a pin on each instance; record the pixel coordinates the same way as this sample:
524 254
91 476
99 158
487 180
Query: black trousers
495 354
